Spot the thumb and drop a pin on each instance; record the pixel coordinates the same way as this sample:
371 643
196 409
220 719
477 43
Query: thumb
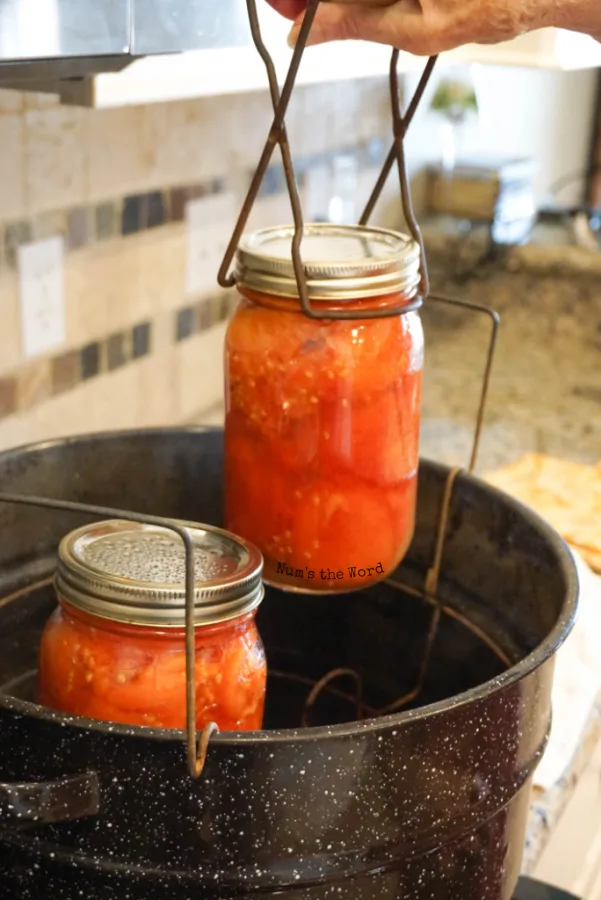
397 24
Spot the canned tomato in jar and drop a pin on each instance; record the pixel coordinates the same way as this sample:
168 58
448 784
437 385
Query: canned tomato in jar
322 415
114 649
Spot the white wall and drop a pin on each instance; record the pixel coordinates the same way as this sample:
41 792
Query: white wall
544 115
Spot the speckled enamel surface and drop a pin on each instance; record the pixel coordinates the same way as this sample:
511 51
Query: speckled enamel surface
430 803
436 803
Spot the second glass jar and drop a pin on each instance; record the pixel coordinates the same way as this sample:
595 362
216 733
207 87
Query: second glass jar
322 415
114 648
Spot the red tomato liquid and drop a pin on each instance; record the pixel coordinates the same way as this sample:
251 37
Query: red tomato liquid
137 675
322 442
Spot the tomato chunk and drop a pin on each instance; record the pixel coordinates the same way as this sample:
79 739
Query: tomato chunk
289 360
384 447
321 443
130 675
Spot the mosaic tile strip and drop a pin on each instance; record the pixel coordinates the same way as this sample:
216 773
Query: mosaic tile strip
42 378
184 323
64 372
368 155
118 350
82 226
191 320
141 336
89 360
8 396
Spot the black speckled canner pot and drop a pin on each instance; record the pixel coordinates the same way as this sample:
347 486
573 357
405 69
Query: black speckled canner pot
429 803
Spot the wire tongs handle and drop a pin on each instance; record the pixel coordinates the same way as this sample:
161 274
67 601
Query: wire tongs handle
278 136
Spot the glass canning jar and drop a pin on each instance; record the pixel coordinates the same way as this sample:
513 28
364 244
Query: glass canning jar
114 649
322 416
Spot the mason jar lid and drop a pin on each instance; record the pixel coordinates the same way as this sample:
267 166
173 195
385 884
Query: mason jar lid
342 262
134 573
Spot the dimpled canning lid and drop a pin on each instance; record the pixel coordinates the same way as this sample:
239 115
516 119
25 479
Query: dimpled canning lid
134 573
342 262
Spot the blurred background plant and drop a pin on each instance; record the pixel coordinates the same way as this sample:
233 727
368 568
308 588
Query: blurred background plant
455 102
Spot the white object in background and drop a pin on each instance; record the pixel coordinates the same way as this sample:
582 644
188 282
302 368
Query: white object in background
571 860
342 205
318 180
221 71
583 233
235 70
218 72
548 48
576 683
209 223
42 295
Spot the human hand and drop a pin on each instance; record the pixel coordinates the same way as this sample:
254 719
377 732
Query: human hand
433 26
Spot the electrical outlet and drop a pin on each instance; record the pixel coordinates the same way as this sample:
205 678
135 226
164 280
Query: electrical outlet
209 223
42 295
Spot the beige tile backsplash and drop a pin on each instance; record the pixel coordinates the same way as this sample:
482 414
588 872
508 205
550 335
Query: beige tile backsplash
161 256
199 373
55 168
87 282
57 164
121 152
11 101
10 323
12 167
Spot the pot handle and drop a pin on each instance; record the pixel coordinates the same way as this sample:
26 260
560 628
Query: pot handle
46 802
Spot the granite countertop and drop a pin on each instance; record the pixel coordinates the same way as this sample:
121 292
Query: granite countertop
545 391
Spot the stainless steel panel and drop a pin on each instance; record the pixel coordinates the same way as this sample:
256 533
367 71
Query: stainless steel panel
49 43
49 29
166 26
